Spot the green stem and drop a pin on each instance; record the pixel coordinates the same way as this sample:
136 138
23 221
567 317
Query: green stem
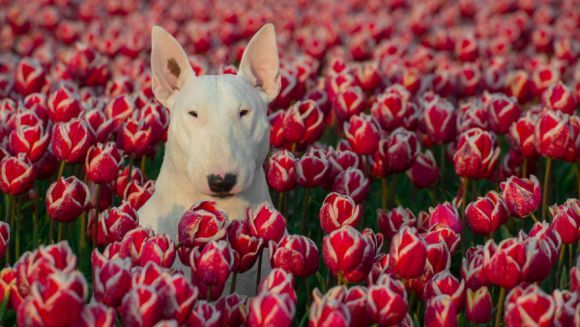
143 161
546 188
96 222
499 312
560 261
525 168
233 284
384 192
82 241
259 272
60 229
281 202
60 170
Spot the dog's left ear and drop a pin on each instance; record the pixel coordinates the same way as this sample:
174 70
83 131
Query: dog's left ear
260 63
170 68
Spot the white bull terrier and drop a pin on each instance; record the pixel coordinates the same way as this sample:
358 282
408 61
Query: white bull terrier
218 136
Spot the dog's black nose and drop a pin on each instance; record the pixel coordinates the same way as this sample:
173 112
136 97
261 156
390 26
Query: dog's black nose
218 184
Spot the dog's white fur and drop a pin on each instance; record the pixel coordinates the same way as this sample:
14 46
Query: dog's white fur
220 139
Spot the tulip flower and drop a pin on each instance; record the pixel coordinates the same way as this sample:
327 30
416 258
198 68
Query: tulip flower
522 195
338 210
347 254
296 254
66 199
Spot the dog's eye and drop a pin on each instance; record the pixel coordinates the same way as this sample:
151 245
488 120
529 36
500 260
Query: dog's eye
244 112
193 114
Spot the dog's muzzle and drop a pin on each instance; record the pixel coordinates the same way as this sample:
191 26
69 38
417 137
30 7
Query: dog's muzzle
221 186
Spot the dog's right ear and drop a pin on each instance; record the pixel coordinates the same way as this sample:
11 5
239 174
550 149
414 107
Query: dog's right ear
170 68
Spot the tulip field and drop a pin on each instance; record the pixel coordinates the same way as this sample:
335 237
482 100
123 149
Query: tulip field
424 166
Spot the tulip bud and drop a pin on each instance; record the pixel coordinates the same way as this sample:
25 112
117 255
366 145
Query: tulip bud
503 262
16 174
391 222
352 182
62 143
326 311
132 244
102 163
66 199
363 133
96 315
408 253
476 155
29 140
503 111
348 102
479 306
440 311
211 267
439 120
141 306
202 223
559 97
445 283
387 301
522 195
271 309
135 138
391 107
266 223
296 254
63 105
565 221
346 252
445 214
337 211
424 171
99 126
398 150
159 249
281 174
303 122
311 169
247 247
205 314
279 281
137 194
120 109
553 134
29 77
486 214
112 281
530 305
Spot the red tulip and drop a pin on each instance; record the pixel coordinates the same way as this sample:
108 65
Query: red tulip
559 97
271 309
137 194
102 162
125 176
185 294
439 120
476 155
16 174
566 221
96 315
387 301
503 263
211 267
62 143
391 222
303 122
202 223
205 314
247 247
58 301
466 48
159 249
408 253
522 195
66 199
391 107
29 140
281 175
472 268
424 171
29 77
296 254
486 214
502 112
279 281
521 135
326 311
338 210
553 134
363 133
445 214
120 109
266 223
566 303
135 137
112 281
346 252
529 306
233 307
98 124
141 306
132 244
398 150
63 105
472 114
312 169
445 283
348 102
479 306
440 311
352 182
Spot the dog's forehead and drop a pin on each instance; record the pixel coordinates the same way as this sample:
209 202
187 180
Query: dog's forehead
221 91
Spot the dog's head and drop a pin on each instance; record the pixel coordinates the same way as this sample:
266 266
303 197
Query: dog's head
218 129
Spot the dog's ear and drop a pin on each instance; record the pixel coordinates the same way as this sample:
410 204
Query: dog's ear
170 68
260 63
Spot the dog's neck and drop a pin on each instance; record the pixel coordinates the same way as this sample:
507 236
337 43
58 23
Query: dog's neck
174 195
